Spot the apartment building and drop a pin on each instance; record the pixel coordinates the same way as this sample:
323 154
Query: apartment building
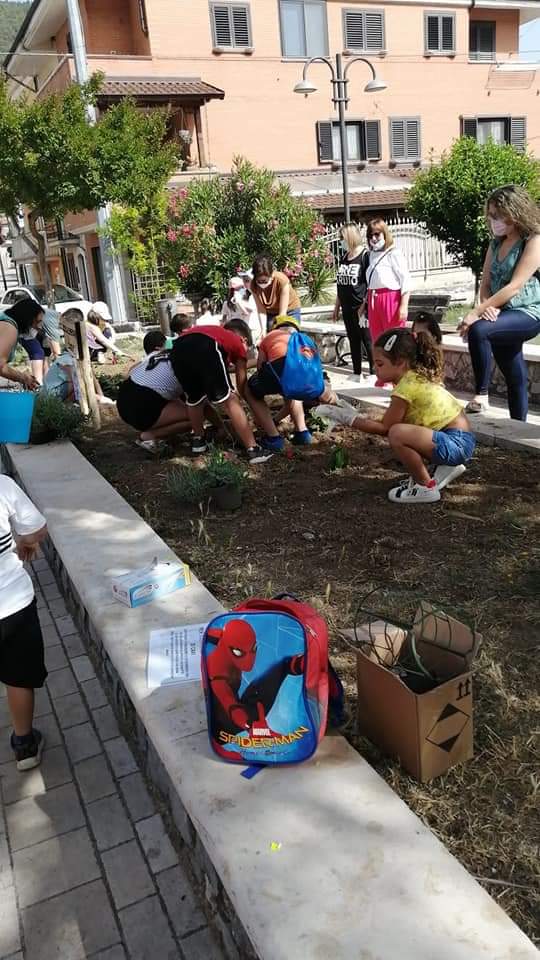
227 71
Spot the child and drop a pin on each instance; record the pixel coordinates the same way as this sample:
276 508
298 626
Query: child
22 666
423 422
152 341
150 400
206 318
200 359
427 323
270 362
180 323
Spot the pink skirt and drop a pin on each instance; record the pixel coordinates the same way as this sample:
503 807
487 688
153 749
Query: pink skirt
383 311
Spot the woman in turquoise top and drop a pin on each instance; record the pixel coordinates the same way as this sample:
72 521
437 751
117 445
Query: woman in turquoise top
15 322
508 313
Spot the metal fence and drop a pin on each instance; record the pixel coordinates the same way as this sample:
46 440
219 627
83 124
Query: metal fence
423 252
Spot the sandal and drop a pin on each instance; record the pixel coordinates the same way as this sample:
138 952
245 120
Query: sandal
477 406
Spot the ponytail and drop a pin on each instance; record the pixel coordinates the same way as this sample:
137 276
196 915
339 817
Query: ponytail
429 362
421 353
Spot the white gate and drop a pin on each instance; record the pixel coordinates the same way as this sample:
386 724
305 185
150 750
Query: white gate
423 252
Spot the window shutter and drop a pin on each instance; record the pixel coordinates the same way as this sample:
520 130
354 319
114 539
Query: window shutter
363 30
324 141
222 26
241 31
432 32
397 140
412 139
447 34
468 127
372 134
354 30
374 31
518 133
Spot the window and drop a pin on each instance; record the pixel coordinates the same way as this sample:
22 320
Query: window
304 31
482 40
363 140
231 25
363 30
440 33
405 139
511 130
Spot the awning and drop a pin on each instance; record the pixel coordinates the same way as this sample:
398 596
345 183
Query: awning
151 90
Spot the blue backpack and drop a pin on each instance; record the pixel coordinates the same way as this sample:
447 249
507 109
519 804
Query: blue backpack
302 375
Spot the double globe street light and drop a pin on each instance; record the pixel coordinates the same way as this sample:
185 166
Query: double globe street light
341 99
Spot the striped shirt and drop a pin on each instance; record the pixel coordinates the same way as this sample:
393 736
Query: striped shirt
17 512
156 373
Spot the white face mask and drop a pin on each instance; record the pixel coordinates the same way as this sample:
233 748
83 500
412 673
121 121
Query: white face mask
498 227
377 244
263 286
32 333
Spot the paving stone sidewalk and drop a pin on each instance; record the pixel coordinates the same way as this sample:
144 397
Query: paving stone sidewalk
87 871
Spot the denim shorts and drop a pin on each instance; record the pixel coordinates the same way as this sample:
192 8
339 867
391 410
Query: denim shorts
452 447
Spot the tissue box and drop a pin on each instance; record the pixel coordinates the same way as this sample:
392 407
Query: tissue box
147 584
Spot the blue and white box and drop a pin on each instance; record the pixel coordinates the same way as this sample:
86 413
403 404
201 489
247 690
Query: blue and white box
149 583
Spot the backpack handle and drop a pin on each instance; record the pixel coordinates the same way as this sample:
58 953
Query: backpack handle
286 596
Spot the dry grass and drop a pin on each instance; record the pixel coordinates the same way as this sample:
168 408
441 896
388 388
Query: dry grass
326 536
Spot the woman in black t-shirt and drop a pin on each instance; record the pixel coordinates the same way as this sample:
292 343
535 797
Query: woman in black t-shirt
351 296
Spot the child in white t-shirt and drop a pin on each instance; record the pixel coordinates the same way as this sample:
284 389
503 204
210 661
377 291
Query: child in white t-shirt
22 666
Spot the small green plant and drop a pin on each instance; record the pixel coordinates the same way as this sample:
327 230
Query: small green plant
316 424
55 416
339 458
189 484
110 383
224 471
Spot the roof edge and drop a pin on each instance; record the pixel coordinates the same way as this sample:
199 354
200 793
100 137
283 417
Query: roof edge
21 31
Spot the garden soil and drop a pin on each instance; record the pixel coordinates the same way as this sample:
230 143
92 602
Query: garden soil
330 536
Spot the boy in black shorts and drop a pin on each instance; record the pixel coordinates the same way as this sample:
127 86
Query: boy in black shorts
200 359
22 666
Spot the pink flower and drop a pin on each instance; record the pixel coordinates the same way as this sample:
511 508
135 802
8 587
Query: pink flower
172 235
288 272
182 194
240 186
183 271
316 254
187 230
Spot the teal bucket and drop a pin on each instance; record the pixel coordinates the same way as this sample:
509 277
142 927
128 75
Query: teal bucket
16 411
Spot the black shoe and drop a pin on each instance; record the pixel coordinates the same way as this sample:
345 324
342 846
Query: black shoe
28 754
258 455
198 445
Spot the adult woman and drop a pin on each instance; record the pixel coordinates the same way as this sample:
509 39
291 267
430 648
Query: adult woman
20 320
273 293
100 333
351 296
150 401
388 280
508 313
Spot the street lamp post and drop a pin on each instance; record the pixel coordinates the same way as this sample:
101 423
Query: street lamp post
340 99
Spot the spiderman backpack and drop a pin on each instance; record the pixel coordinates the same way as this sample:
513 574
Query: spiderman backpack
266 679
302 374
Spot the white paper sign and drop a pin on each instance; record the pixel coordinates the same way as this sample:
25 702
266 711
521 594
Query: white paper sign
174 655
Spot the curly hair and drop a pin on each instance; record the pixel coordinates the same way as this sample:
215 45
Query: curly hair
516 204
421 352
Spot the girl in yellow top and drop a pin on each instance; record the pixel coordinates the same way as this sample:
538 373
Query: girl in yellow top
424 423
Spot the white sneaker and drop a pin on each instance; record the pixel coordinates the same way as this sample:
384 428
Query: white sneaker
444 475
154 447
342 413
480 404
105 401
414 493
368 379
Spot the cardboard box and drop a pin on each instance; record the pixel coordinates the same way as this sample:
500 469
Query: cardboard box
427 732
148 583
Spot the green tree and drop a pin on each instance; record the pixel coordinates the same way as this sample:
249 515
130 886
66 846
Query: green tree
54 162
215 227
449 197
